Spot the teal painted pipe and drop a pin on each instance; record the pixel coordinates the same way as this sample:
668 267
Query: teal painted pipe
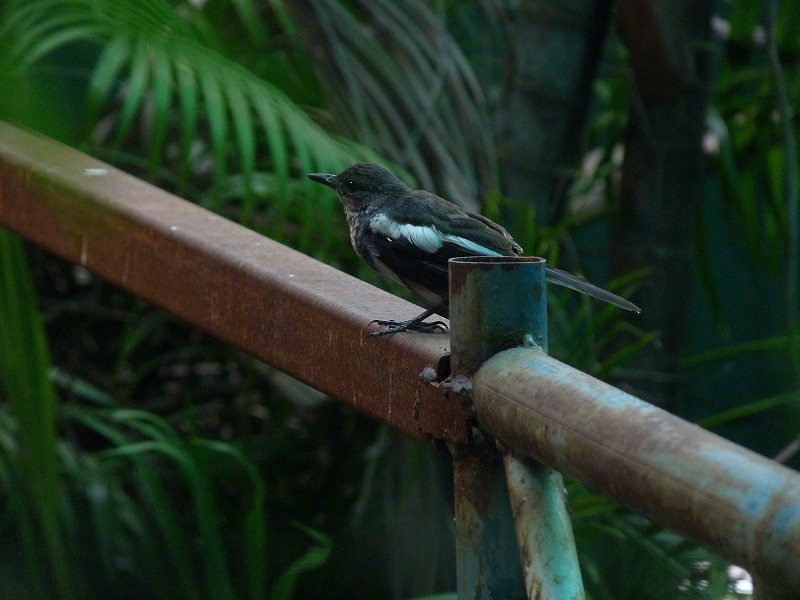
487 558
495 304
685 478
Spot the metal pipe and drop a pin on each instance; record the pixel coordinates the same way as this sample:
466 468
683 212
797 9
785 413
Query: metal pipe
497 303
690 480
487 558
544 530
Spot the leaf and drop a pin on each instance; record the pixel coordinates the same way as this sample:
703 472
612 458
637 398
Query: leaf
20 512
82 388
24 375
313 559
243 125
189 101
137 84
255 526
751 409
104 76
162 87
623 355
400 84
734 351
217 120
154 494
248 14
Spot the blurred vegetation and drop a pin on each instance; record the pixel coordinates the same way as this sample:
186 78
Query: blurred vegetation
139 458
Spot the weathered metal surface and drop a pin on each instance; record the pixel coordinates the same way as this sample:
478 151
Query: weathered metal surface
496 304
685 478
544 530
487 560
291 311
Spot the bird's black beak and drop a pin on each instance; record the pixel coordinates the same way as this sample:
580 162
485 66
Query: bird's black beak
324 179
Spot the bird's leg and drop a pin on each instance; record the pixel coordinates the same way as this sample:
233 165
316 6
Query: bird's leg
415 324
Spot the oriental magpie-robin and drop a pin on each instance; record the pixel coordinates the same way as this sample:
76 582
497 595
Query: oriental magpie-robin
410 234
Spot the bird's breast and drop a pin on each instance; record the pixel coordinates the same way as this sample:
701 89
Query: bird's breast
356 224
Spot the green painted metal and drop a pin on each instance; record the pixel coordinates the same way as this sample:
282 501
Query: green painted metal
487 559
544 530
495 304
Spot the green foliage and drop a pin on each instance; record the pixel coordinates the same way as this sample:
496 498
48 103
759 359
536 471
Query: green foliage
155 69
749 163
313 559
24 365
747 234
160 57
141 513
666 564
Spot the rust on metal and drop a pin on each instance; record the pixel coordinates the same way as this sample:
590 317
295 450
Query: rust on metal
685 478
287 309
493 305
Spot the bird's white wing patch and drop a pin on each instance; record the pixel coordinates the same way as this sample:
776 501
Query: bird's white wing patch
423 237
470 245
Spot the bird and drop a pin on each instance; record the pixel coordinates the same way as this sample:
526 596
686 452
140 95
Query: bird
410 234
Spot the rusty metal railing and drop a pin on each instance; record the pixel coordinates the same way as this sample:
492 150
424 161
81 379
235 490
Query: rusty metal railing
311 321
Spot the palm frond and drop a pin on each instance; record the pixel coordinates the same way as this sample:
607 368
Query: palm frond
154 65
668 566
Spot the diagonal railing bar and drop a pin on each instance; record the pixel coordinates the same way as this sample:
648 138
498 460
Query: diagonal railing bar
291 311
311 321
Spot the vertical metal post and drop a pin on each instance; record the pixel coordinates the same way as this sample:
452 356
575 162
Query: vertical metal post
487 558
495 304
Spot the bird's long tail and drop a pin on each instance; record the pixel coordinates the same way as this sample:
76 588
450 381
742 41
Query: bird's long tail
572 282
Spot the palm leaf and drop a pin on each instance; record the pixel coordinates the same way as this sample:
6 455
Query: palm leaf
155 497
313 559
18 510
24 376
667 566
146 47
751 409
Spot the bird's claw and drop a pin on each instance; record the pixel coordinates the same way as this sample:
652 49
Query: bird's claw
391 327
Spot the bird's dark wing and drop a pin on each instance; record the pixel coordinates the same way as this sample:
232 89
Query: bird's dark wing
509 245
477 235
412 239
423 272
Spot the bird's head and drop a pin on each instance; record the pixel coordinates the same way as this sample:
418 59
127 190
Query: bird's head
362 184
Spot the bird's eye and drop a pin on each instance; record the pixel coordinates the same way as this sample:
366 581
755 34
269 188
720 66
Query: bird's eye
351 186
